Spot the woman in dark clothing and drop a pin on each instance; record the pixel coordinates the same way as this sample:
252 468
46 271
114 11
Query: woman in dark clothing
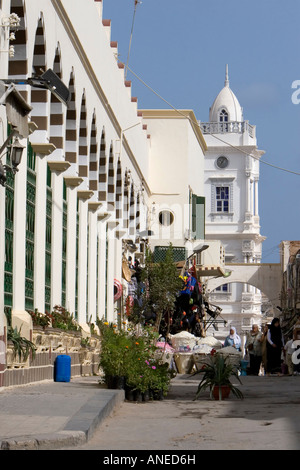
275 344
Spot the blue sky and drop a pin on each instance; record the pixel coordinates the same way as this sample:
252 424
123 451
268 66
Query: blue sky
180 49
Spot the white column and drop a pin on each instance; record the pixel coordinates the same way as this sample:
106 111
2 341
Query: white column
40 233
256 196
248 194
111 314
92 265
82 261
19 235
57 238
57 184
2 259
71 249
251 196
101 288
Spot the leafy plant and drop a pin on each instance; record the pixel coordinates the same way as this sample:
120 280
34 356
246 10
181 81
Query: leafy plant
163 285
131 354
22 346
61 318
39 319
216 374
114 347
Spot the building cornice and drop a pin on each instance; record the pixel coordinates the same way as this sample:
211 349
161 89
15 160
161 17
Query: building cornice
63 16
178 114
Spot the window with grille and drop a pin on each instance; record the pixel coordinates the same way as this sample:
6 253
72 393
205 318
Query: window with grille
30 228
48 242
223 115
222 198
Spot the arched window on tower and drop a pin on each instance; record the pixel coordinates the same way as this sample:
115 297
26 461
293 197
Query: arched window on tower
223 116
223 119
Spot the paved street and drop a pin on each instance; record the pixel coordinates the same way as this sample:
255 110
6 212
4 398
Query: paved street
267 419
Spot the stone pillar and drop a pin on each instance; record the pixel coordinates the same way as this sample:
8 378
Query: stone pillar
111 314
57 168
92 260
71 183
19 243
41 151
83 197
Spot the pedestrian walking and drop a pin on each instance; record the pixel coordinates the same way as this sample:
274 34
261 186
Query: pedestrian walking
254 347
265 330
275 344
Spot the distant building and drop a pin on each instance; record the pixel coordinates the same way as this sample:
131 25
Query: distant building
290 293
231 179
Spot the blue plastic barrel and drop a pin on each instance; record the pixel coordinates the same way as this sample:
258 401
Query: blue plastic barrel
244 365
62 368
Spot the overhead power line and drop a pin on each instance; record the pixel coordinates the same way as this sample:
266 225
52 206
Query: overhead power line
213 135
136 2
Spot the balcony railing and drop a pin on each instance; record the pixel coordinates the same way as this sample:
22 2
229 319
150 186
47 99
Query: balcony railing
227 127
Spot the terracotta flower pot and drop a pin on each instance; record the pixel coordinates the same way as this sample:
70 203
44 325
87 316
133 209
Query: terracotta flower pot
225 391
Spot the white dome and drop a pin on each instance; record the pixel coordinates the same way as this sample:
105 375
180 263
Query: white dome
227 101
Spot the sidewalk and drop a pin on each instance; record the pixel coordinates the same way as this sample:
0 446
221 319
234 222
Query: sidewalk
50 415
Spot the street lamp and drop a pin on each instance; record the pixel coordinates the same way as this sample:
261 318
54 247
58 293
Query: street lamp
16 152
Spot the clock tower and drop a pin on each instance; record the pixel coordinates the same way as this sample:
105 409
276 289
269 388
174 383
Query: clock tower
232 209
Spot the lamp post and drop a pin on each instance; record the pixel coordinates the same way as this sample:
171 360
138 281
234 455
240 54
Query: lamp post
16 153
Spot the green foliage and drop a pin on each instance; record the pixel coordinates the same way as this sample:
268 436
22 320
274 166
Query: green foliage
217 373
39 319
22 346
58 318
163 285
132 354
61 318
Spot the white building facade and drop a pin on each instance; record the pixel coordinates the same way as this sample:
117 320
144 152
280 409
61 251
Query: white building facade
232 206
82 182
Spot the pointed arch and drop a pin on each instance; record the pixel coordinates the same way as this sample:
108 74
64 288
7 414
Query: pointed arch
39 97
138 214
132 211
71 117
93 166
18 65
102 178
126 200
111 179
83 146
56 108
119 211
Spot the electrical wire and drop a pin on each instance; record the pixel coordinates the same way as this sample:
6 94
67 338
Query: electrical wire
213 135
136 2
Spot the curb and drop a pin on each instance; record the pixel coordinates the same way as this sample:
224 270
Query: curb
78 430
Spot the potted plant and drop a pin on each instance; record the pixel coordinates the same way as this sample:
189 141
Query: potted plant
217 373
113 354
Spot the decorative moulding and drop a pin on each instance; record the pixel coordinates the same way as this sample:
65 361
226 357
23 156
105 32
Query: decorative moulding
59 165
73 181
104 215
93 206
84 194
112 224
44 149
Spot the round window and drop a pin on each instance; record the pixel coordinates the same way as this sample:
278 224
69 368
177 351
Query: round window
222 162
166 218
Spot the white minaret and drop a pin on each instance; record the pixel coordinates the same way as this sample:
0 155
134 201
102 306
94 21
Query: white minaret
232 210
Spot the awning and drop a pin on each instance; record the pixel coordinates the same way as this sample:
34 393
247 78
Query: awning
205 271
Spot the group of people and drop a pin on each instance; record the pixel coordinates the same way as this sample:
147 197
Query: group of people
266 348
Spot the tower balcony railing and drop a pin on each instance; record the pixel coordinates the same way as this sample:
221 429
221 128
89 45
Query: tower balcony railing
238 127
